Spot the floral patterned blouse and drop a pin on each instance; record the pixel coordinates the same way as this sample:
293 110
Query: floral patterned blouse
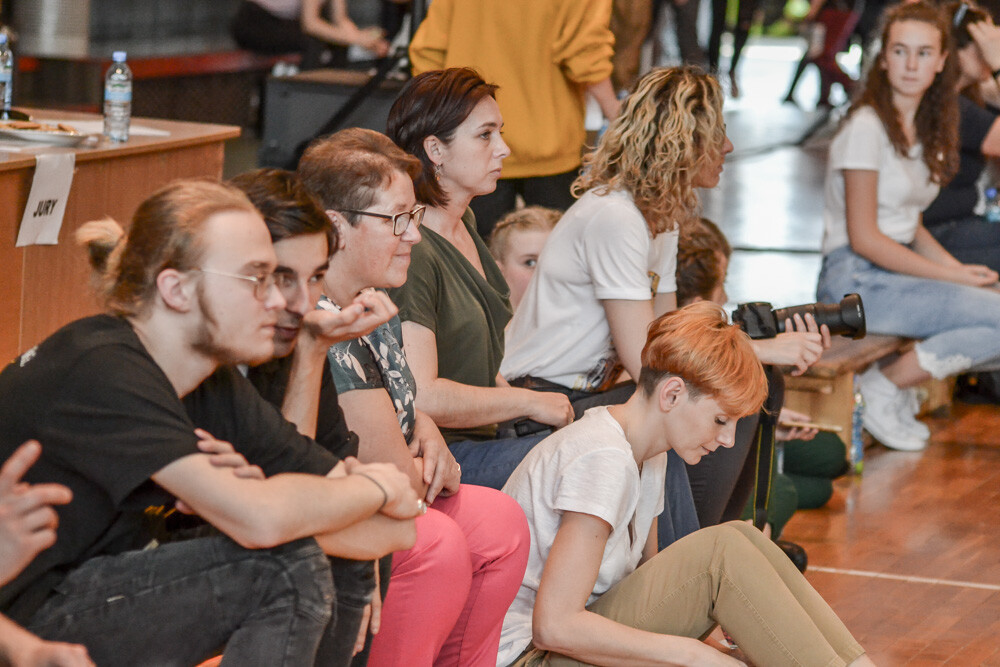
374 361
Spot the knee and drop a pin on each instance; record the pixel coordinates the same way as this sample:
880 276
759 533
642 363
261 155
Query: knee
498 528
440 553
735 536
303 574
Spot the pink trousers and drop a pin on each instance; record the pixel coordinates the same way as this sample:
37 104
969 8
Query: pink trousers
448 594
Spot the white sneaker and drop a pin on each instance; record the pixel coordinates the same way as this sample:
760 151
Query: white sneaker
910 406
884 403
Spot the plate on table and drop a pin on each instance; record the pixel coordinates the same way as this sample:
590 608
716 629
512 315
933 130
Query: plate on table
57 135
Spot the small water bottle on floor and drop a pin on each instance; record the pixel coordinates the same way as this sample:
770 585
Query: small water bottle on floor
857 449
117 98
992 209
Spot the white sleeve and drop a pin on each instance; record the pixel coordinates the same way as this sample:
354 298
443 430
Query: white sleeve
601 482
665 247
860 143
616 250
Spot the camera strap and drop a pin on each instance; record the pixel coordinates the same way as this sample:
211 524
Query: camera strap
767 424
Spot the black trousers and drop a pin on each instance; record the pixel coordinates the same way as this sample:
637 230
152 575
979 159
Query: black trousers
550 191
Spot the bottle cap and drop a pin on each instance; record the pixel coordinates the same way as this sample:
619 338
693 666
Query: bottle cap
118 56
3 38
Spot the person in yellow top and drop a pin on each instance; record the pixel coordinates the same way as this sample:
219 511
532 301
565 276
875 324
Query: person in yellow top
543 56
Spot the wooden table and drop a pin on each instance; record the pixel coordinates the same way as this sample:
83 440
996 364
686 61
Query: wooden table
44 287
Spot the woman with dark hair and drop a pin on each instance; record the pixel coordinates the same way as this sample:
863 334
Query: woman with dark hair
898 144
951 218
455 303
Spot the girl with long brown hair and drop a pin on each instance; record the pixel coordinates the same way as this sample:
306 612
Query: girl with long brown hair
898 145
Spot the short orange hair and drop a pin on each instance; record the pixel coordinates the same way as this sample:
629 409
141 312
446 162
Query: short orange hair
698 344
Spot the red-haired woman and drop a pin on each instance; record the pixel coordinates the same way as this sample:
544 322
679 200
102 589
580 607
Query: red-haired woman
596 591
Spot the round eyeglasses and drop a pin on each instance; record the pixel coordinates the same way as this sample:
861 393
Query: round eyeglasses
400 221
262 283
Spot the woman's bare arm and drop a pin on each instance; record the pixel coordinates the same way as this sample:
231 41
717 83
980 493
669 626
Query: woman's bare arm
867 240
562 623
455 405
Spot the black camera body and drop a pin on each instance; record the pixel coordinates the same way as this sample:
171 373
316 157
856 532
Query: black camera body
846 318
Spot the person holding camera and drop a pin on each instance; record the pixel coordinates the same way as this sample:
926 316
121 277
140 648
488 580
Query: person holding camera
596 590
898 144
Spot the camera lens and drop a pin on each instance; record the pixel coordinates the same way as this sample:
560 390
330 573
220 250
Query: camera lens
846 318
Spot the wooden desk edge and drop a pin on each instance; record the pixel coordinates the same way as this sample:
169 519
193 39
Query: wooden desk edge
182 134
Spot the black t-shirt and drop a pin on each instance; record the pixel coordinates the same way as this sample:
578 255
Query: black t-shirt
108 418
271 380
958 199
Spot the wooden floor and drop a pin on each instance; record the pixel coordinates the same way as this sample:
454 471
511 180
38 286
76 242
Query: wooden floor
908 554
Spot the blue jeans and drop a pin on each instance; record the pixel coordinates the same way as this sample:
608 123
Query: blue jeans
490 462
958 326
179 603
972 240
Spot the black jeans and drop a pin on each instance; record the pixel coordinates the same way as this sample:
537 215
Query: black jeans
179 603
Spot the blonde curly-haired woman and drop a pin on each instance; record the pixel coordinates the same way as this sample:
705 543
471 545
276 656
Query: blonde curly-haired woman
608 269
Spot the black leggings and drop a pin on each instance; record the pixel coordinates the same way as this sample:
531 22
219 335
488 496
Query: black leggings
741 31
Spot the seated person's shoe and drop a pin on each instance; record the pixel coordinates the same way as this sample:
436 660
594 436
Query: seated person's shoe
911 407
795 553
883 416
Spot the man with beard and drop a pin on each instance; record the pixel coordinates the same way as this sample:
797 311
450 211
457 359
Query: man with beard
190 289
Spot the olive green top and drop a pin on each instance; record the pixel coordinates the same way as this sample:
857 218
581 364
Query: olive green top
467 313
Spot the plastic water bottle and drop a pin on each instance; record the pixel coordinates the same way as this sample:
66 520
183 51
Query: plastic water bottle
6 74
857 441
117 98
992 210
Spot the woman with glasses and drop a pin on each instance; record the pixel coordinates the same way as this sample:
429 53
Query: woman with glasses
455 302
446 609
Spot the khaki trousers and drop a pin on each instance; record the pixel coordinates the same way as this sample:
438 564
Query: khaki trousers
734 576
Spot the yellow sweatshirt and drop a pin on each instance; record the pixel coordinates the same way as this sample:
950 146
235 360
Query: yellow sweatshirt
541 53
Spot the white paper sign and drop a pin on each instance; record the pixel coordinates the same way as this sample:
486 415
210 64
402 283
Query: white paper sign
43 216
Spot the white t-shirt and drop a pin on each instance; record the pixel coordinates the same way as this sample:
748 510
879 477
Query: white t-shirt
586 467
601 249
904 185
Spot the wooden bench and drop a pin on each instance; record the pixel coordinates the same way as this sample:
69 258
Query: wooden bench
826 391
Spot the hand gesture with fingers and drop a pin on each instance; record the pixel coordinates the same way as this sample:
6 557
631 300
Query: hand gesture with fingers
440 471
330 325
27 521
222 454
987 38
401 501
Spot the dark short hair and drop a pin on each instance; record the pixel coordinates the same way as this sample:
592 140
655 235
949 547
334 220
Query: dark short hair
288 208
346 170
434 103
